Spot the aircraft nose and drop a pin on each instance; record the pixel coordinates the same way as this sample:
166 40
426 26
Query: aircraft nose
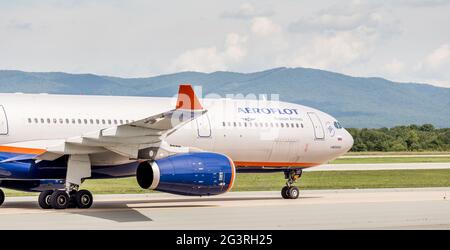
348 140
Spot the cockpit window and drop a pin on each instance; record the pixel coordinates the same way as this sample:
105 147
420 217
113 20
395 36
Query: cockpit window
337 125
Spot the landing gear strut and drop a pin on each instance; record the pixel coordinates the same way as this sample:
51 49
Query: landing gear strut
290 191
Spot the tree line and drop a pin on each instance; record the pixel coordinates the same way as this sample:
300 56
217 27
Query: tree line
401 138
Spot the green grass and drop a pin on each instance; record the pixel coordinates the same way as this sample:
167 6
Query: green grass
390 160
310 180
348 180
399 153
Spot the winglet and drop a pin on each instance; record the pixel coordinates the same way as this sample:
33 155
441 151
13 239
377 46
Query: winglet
187 98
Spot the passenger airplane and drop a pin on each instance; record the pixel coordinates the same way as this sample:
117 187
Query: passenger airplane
52 143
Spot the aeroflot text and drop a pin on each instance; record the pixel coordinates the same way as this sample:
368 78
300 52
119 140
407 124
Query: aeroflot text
268 111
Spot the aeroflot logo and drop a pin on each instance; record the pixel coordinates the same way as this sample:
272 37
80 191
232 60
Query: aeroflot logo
268 111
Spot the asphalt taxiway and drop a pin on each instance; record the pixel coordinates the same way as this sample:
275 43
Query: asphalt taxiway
424 208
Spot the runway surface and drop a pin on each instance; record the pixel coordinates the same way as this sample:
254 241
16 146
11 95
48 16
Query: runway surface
427 208
380 166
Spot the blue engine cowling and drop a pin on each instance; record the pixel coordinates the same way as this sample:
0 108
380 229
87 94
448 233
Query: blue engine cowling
199 173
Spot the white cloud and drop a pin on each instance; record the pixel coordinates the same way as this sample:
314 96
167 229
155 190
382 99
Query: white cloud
435 67
394 67
333 52
425 3
246 11
210 58
264 26
349 16
438 58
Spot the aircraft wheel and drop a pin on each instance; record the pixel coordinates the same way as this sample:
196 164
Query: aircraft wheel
45 198
84 199
59 199
293 192
284 192
2 197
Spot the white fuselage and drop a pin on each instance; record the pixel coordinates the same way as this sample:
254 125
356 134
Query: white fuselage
252 133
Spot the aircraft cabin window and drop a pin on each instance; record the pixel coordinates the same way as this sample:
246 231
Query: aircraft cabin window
115 121
282 125
121 121
126 121
91 121
296 125
239 124
223 124
245 124
48 120
29 120
109 121
256 124
103 121
35 120
42 120
97 121
67 121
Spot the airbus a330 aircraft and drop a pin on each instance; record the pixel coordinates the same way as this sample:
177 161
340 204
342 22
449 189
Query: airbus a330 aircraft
52 143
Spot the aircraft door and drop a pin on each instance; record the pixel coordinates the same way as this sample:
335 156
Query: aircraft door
203 126
319 133
3 122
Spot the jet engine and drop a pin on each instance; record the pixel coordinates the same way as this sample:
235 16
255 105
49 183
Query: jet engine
197 174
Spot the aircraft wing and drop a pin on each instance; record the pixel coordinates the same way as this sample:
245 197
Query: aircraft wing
129 139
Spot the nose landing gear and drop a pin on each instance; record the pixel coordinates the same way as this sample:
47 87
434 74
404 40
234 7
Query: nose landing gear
290 191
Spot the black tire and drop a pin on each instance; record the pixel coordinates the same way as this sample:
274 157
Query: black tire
84 199
293 192
44 199
284 192
2 197
59 199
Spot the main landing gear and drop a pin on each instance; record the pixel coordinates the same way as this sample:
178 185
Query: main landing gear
290 191
61 199
78 168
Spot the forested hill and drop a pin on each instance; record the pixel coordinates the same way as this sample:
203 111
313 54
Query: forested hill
355 101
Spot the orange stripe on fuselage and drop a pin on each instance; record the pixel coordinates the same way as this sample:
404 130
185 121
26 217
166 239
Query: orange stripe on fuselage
18 150
274 164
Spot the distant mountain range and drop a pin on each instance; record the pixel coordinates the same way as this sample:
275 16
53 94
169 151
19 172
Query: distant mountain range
355 101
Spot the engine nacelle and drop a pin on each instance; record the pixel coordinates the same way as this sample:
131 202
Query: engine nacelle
199 173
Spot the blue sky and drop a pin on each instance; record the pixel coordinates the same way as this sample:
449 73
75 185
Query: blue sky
402 40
